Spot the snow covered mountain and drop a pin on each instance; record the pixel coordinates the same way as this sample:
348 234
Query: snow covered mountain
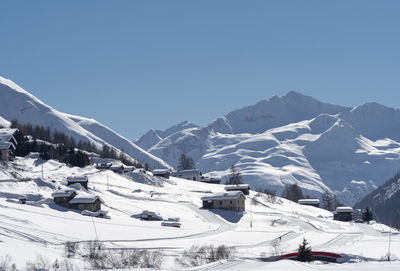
152 137
18 104
296 139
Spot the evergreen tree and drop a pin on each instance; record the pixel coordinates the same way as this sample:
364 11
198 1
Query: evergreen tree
367 216
396 220
304 252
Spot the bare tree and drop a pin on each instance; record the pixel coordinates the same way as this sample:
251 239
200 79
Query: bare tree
292 192
235 177
185 162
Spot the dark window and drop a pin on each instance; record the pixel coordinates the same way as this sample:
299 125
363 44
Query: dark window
220 202
231 202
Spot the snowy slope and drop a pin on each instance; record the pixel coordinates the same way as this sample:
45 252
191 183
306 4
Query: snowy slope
39 227
18 104
384 201
118 141
348 151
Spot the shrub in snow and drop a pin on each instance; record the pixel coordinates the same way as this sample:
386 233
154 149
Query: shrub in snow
6 264
304 252
199 255
70 249
41 263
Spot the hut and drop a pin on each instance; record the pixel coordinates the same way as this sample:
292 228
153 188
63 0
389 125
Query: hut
82 180
310 202
245 188
62 197
344 213
188 174
85 201
162 173
232 200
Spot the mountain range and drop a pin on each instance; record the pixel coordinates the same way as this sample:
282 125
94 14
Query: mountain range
278 141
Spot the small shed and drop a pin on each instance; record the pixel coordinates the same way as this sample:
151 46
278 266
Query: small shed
245 188
127 169
232 200
344 213
82 180
310 202
62 197
188 174
86 201
103 166
162 173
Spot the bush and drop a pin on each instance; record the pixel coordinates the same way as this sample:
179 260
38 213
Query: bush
70 249
6 264
199 255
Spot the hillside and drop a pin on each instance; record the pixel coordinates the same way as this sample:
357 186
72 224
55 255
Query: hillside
18 104
384 201
39 226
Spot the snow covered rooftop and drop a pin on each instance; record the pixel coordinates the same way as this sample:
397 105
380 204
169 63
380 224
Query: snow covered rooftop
308 201
6 145
63 193
224 195
77 179
85 198
161 171
344 209
238 186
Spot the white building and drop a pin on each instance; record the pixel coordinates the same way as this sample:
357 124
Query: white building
310 202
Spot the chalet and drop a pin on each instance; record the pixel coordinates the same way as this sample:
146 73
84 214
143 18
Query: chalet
344 213
245 188
188 174
85 201
62 197
7 144
162 173
82 180
232 200
310 202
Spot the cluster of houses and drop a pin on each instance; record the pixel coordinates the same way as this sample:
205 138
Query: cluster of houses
75 197
7 143
342 213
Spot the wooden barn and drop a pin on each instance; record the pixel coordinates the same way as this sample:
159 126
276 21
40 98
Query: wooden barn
85 201
232 200
162 173
62 197
188 174
344 213
245 188
82 180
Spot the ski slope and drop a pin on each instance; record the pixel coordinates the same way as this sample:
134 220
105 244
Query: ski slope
42 227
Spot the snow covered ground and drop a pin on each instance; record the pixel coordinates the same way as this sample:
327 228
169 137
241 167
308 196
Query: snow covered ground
41 227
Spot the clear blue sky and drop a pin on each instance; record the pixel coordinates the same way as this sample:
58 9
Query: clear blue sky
135 65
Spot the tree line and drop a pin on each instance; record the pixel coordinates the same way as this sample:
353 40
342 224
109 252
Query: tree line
59 146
